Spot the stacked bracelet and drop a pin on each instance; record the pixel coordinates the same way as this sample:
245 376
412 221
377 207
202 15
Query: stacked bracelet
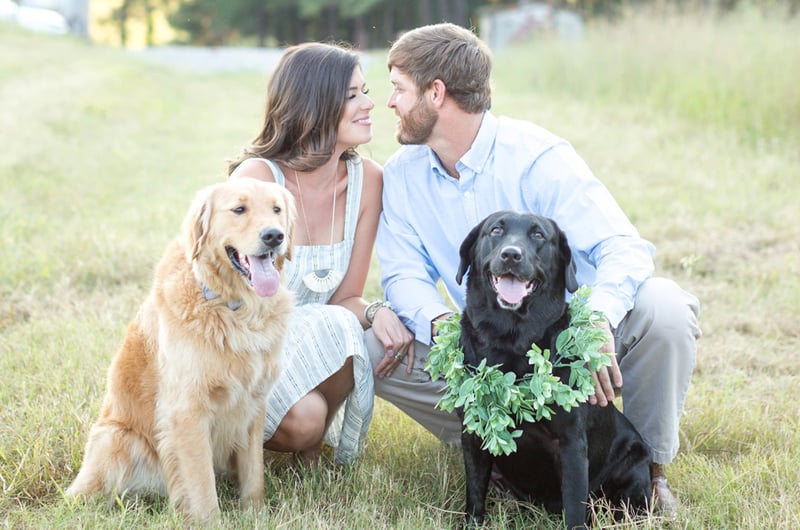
372 309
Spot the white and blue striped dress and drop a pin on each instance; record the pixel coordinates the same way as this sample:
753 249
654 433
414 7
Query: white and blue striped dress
321 336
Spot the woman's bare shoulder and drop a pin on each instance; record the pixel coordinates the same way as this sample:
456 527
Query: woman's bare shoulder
254 168
373 171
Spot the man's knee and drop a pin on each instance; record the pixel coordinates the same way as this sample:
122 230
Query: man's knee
663 307
374 348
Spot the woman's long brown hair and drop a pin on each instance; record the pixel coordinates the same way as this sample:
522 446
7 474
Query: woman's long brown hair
305 100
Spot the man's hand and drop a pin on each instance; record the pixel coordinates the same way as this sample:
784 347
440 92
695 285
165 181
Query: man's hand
607 378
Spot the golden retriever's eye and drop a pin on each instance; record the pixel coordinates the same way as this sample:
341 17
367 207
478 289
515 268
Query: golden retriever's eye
239 210
276 209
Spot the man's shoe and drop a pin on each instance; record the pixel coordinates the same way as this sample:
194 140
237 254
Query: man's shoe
665 503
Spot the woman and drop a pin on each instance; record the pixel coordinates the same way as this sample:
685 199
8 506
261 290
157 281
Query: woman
317 112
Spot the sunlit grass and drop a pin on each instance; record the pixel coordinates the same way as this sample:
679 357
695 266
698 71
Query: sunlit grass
692 121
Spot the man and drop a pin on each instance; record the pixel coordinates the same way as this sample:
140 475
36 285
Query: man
458 164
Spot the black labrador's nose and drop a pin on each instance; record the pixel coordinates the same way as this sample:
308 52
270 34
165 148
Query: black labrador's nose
272 237
511 254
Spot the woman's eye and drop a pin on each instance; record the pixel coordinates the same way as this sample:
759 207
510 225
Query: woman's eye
365 91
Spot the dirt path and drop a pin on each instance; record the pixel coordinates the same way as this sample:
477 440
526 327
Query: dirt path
221 59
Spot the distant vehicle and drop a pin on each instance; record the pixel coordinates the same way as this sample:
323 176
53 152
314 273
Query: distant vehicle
8 9
34 18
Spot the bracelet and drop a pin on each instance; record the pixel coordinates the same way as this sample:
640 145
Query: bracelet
372 309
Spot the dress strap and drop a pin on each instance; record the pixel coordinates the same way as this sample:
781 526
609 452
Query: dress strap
355 182
276 171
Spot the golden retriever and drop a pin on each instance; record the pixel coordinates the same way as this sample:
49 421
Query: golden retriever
186 392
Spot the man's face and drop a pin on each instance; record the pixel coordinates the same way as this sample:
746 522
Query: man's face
417 118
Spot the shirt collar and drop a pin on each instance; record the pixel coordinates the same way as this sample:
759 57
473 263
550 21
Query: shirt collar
478 154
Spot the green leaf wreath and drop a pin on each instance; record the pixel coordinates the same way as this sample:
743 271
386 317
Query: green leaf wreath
495 403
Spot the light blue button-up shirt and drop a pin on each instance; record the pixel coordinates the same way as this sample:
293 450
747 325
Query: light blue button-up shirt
512 165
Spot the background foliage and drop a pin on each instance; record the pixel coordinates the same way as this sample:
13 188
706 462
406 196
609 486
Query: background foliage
364 23
691 120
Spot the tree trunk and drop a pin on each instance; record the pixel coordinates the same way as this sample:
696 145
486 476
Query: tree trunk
424 12
359 38
331 16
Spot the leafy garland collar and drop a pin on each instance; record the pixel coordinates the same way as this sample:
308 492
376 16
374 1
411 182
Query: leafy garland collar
495 403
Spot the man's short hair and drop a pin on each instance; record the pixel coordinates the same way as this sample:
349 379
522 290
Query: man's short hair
452 54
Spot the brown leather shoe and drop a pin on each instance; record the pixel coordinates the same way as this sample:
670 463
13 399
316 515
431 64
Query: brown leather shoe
665 503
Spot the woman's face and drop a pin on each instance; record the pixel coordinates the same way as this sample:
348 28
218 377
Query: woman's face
355 127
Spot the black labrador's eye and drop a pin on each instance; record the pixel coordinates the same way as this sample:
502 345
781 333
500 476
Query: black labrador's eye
276 209
239 210
496 231
537 235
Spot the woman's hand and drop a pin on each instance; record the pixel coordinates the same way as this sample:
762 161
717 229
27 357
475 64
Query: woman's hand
397 340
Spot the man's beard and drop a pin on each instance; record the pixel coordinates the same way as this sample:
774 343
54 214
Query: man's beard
416 127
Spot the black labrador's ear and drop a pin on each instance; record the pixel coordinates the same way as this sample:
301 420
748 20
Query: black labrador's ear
565 253
466 250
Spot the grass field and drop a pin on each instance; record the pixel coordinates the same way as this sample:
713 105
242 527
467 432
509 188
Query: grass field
693 122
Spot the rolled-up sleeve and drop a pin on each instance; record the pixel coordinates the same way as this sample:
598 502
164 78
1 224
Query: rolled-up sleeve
408 277
610 255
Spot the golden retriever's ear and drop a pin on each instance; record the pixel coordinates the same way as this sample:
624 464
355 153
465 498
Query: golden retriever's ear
197 222
290 219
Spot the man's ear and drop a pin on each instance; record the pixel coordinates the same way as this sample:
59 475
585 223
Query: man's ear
438 91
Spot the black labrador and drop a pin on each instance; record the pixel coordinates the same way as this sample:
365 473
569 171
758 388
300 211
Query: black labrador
520 268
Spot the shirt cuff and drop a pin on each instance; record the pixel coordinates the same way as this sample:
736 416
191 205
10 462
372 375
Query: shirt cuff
424 318
612 308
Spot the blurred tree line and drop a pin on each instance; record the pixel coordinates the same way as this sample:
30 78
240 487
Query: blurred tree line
363 23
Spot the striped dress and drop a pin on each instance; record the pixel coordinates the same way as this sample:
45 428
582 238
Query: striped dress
321 336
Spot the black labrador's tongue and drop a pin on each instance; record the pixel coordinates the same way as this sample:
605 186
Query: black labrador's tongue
510 288
264 275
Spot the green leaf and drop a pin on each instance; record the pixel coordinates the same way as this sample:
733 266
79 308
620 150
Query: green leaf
495 402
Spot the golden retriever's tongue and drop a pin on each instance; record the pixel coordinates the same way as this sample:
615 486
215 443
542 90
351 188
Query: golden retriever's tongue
510 289
264 275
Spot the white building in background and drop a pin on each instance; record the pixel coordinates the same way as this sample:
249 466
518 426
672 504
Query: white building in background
502 25
50 16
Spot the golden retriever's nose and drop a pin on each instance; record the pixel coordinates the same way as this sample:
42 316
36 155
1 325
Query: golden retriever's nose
511 254
272 237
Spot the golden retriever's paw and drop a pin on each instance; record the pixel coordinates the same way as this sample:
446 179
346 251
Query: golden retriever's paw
252 502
